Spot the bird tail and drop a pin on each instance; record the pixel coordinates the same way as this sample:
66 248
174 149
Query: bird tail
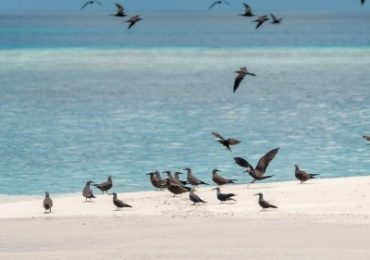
204 183
272 206
92 196
232 181
313 175
266 177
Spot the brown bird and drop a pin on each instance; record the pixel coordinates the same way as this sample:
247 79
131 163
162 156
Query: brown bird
133 20
105 186
194 197
224 196
192 179
176 188
120 10
218 179
302 175
264 204
155 182
225 142
87 191
261 20
247 10
258 173
90 3
241 74
47 203
161 182
275 20
172 179
119 203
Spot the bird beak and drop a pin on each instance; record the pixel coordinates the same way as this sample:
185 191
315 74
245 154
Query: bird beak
148 173
110 193
256 194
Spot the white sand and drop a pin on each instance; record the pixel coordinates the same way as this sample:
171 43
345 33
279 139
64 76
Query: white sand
322 219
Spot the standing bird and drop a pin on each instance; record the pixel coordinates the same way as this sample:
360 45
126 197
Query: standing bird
258 172
90 3
217 3
133 20
241 74
176 188
87 191
224 196
48 203
264 204
105 186
119 203
275 20
192 179
195 198
161 182
225 142
155 182
178 178
120 12
247 10
218 179
172 179
261 20
302 175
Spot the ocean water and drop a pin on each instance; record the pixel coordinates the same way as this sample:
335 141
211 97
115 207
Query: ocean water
83 98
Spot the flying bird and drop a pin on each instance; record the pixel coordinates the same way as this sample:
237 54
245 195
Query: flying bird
258 173
275 20
261 20
241 74
218 2
247 10
362 2
225 142
133 20
120 10
90 3
302 175
264 204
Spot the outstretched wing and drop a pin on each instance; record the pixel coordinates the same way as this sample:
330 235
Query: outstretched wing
85 4
242 162
213 4
266 159
237 81
232 141
217 135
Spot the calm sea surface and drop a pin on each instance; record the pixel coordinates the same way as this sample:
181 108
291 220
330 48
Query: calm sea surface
82 98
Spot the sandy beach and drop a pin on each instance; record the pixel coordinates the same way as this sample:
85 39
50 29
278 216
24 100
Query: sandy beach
322 219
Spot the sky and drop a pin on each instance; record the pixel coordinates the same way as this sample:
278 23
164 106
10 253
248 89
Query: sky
279 5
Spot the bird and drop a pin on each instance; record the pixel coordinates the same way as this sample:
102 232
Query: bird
120 10
172 179
47 203
218 179
178 178
217 3
90 3
155 182
247 10
195 198
264 204
105 186
176 188
261 20
192 179
241 74
362 2
224 196
133 20
302 175
275 20
225 142
87 191
119 203
161 182
366 137
258 173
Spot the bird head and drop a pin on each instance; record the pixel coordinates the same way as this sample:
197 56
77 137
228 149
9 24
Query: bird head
258 194
215 171
187 169
46 194
89 182
296 166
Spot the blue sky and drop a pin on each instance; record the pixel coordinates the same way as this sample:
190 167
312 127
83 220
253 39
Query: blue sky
281 5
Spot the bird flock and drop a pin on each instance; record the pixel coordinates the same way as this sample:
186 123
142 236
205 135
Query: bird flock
173 183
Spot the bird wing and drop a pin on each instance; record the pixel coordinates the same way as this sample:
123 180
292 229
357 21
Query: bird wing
259 24
232 141
212 5
87 3
242 162
120 7
362 2
265 160
131 24
217 135
273 17
99 3
238 79
247 7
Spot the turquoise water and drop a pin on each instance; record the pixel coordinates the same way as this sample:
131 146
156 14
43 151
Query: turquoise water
80 104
